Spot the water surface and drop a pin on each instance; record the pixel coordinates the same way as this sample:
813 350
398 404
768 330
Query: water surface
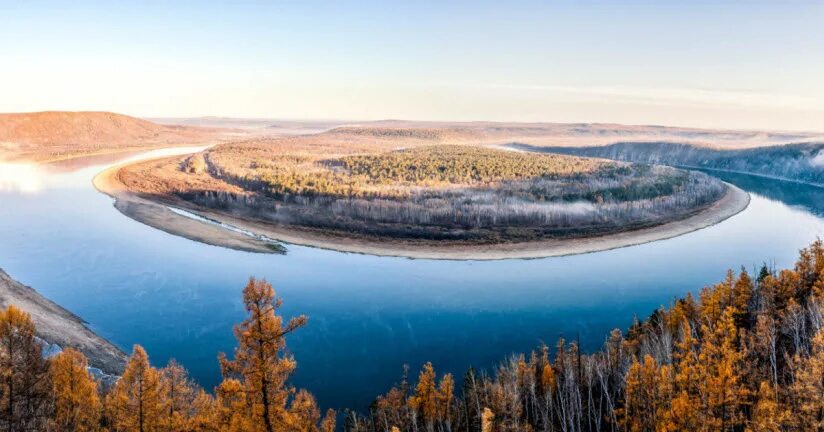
367 315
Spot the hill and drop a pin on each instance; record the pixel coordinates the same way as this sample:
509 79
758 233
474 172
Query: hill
568 134
53 135
56 325
801 162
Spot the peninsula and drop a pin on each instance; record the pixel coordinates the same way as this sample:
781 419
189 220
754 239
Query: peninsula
418 191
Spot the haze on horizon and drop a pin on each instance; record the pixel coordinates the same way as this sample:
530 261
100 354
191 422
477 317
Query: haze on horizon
749 65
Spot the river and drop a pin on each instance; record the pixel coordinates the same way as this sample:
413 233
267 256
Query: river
368 316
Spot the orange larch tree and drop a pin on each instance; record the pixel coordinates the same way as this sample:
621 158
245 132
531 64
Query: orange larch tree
137 403
262 367
77 405
24 377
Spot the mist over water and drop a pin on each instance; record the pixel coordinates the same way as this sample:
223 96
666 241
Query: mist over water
367 315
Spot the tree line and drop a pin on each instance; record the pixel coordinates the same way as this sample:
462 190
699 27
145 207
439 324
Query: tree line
746 355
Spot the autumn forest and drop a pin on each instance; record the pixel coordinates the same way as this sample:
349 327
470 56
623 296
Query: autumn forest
746 354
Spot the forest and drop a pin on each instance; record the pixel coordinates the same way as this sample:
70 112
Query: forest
801 162
449 192
393 174
745 354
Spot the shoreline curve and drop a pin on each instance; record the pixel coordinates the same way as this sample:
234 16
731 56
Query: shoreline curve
160 216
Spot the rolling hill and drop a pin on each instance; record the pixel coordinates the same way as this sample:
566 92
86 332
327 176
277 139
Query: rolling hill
53 135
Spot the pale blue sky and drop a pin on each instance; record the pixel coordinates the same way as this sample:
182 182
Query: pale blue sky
744 64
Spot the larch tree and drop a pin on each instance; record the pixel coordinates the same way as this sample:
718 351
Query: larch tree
446 392
230 407
686 402
487 420
305 415
424 401
259 361
77 405
204 418
768 415
742 292
137 403
329 421
646 395
721 359
179 393
808 388
24 377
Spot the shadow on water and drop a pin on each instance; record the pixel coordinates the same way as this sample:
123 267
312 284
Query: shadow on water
793 194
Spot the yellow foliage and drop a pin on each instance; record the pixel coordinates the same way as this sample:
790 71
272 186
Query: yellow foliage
137 401
77 406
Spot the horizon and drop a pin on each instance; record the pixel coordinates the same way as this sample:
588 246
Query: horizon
345 122
730 66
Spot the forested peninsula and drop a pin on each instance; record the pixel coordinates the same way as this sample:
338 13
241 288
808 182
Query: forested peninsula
392 191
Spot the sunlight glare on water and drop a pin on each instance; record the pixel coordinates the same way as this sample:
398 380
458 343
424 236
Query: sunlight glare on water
20 177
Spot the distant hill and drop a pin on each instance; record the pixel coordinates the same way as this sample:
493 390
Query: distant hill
802 162
569 134
59 134
258 126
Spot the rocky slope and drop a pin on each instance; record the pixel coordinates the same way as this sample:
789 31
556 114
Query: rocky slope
56 325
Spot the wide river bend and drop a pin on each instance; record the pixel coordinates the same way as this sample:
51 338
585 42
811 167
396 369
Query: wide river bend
368 315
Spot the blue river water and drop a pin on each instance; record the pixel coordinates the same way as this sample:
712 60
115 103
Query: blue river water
368 316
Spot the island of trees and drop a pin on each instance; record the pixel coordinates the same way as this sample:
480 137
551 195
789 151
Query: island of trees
441 194
746 354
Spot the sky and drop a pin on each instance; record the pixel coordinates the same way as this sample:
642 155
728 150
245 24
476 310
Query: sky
722 64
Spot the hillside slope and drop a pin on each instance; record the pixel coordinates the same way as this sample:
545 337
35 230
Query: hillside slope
803 162
55 135
59 326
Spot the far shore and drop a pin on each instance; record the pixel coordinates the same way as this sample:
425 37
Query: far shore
158 215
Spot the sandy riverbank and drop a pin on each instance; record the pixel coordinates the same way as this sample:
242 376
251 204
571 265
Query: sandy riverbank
159 216
59 326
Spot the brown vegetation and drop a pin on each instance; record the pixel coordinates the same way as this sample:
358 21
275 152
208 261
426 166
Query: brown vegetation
59 394
747 355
